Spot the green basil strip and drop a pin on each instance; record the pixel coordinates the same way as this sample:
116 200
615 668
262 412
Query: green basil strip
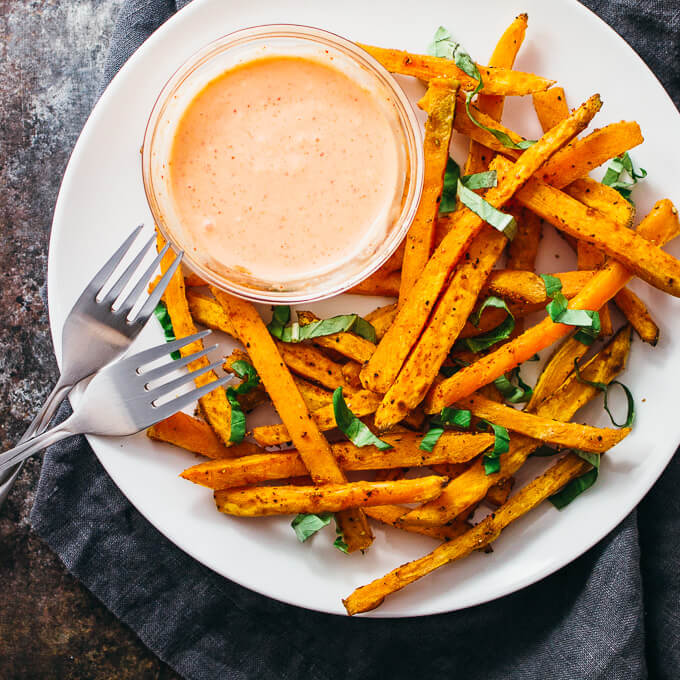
444 46
339 541
237 429
587 320
513 394
306 525
552 285
613 177
280 317
352 427
502 332
577 486
603 387
480 180
501 444
251 379
317 329
430 439
505 223
456 417
163 317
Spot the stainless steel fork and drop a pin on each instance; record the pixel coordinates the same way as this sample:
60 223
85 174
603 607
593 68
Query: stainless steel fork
123 398
97 330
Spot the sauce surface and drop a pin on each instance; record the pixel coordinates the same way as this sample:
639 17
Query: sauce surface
284 166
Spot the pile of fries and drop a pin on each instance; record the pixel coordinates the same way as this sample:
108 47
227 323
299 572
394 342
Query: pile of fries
430 383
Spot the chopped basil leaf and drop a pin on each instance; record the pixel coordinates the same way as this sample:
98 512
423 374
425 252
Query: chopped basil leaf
630 414
339 541
431 438
163 317
448 416
444 46
352 427
587 320
513 394
246 372
251 379
501 444
501 332
505 223
337 324
306 525
480 180
280 317
448 371
455 416
577 486
615 172
552 285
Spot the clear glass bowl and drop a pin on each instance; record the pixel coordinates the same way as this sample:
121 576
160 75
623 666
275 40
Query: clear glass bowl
244 46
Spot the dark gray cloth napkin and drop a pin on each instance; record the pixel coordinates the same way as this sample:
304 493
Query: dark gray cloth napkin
613 613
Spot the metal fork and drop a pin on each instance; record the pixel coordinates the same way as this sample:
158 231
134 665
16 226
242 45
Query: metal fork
98 331
122 398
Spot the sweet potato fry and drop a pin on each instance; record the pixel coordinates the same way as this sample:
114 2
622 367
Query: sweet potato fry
581 156
658 227
214 406
381 318
383 367
635 310
496 80
284 500
197 436
450 313
439 103
471 487
503 56
349 345
550 106
351 371
643 258
391 514
523 249
372 595
312 364
603 198
452 447
558 368
312 446
361 403
499 492
381 283
568 435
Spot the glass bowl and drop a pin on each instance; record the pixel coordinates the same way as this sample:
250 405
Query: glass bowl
266 41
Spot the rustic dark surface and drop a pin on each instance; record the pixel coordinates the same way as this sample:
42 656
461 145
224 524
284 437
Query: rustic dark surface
52 55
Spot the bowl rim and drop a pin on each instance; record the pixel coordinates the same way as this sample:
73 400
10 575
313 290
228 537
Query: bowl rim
410 126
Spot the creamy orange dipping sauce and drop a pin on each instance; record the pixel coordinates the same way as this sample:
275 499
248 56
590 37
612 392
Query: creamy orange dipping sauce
284 166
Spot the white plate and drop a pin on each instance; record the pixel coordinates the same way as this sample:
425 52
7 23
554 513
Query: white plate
102 198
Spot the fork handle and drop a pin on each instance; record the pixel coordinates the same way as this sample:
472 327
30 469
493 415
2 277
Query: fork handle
38 425
28 448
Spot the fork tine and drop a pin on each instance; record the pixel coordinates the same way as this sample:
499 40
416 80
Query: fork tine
166 388
159 372
118 286
102 276
172 407
142 284
148 355
154 297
